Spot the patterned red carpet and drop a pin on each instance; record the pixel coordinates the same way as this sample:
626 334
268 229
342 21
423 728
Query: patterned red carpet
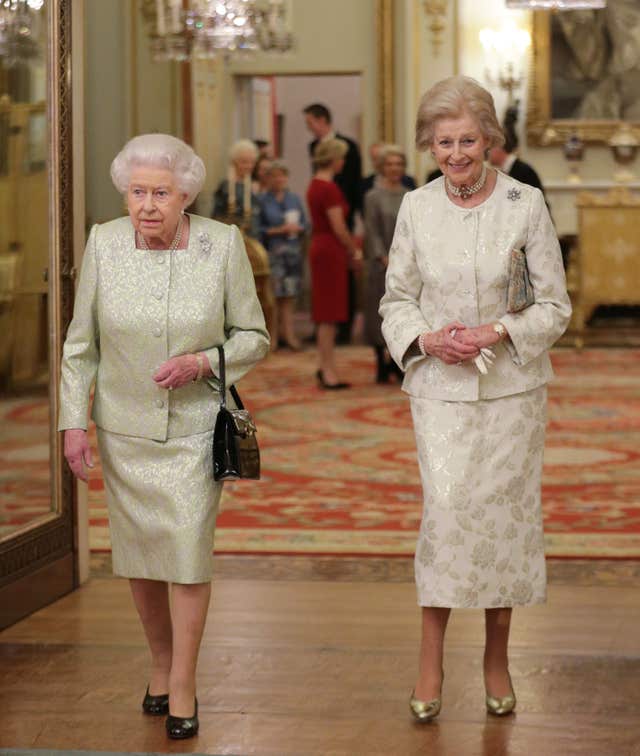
340 475
339 470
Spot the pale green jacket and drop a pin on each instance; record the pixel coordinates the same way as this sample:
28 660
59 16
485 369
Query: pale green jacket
134 309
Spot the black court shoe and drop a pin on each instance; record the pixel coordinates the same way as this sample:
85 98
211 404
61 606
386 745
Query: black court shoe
330 386
155 704
180 728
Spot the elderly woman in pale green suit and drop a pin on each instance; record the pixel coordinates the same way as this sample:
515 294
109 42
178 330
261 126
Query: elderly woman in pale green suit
158 292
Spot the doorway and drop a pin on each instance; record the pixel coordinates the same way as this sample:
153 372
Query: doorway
270 108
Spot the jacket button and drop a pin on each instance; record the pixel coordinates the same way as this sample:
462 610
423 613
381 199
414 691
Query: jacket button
160 259
158 294
159 403
157 332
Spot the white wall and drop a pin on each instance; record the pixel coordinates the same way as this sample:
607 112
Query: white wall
125 94
105 103
341 94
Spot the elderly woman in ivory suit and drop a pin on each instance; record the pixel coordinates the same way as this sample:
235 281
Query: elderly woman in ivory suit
476 375
158 291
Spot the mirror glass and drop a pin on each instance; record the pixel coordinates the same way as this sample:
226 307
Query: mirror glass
25 491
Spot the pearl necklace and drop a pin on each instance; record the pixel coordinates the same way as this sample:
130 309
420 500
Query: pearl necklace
174 244
464 191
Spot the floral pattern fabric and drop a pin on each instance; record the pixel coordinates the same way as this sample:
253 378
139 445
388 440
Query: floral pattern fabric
481 542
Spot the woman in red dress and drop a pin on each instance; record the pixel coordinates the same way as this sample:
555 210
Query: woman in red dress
332 251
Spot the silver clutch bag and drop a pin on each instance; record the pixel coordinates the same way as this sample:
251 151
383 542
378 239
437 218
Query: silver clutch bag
519 290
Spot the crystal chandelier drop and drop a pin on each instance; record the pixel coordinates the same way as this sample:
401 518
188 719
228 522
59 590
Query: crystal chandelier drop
556 4
19 29
206 28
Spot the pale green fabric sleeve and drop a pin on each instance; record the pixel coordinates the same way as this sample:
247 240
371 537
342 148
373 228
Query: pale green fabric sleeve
247 338
81 351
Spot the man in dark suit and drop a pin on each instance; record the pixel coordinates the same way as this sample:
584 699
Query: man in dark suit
318 119
505 159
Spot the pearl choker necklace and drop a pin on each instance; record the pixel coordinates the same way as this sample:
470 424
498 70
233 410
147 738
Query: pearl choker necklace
464 191
174 244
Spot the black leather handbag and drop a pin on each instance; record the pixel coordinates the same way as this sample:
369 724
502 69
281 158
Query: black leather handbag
235 446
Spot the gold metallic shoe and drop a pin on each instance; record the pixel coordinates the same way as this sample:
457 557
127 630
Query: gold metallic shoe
424 711
503 705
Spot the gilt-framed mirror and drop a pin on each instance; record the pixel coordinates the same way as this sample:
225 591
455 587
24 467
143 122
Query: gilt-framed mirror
37 560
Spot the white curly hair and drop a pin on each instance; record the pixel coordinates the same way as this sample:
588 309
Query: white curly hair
243 147
160 151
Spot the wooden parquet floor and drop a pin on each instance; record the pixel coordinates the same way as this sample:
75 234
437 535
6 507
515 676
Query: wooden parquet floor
316 656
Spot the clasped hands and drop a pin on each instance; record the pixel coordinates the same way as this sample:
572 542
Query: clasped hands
456 343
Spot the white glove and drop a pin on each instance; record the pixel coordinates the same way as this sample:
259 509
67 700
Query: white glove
484 360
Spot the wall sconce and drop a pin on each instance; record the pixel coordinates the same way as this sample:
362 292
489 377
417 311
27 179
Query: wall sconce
504 52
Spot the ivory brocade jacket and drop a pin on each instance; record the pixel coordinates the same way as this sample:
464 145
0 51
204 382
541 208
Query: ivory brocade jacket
448 263
135 309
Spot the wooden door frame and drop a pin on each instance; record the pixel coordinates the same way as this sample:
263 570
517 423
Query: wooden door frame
39 564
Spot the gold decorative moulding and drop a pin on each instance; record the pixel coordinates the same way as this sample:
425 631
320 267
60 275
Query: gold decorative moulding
437 12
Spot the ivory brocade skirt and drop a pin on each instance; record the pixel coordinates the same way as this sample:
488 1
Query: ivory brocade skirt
162 502
481 541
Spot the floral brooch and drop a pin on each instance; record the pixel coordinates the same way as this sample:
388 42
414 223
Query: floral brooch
514 194
205 242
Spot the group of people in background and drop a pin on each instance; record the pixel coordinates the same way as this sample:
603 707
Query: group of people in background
256 196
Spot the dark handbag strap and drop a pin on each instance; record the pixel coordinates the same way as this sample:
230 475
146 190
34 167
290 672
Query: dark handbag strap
223 383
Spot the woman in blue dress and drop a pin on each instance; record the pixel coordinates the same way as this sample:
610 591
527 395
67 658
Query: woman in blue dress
283 224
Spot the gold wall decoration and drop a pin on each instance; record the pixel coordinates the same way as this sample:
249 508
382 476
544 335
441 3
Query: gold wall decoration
386 70
544 124
437 12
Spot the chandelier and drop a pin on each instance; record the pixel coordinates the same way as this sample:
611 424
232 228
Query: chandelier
185 29
19 29
555 4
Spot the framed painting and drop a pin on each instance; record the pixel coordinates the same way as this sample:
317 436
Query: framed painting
585 75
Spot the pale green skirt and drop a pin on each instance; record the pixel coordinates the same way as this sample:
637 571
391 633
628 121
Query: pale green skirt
162 503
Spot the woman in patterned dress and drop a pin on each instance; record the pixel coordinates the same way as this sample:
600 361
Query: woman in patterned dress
476 375
283 223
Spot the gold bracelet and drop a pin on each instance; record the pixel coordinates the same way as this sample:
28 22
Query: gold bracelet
200 360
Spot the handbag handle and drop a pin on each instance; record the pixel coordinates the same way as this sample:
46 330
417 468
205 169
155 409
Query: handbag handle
223 383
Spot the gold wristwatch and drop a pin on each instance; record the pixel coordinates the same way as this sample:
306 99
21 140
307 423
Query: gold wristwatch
500 330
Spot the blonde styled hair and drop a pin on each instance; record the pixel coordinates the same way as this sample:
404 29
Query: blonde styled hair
390 150
326 152
160 151
451 98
